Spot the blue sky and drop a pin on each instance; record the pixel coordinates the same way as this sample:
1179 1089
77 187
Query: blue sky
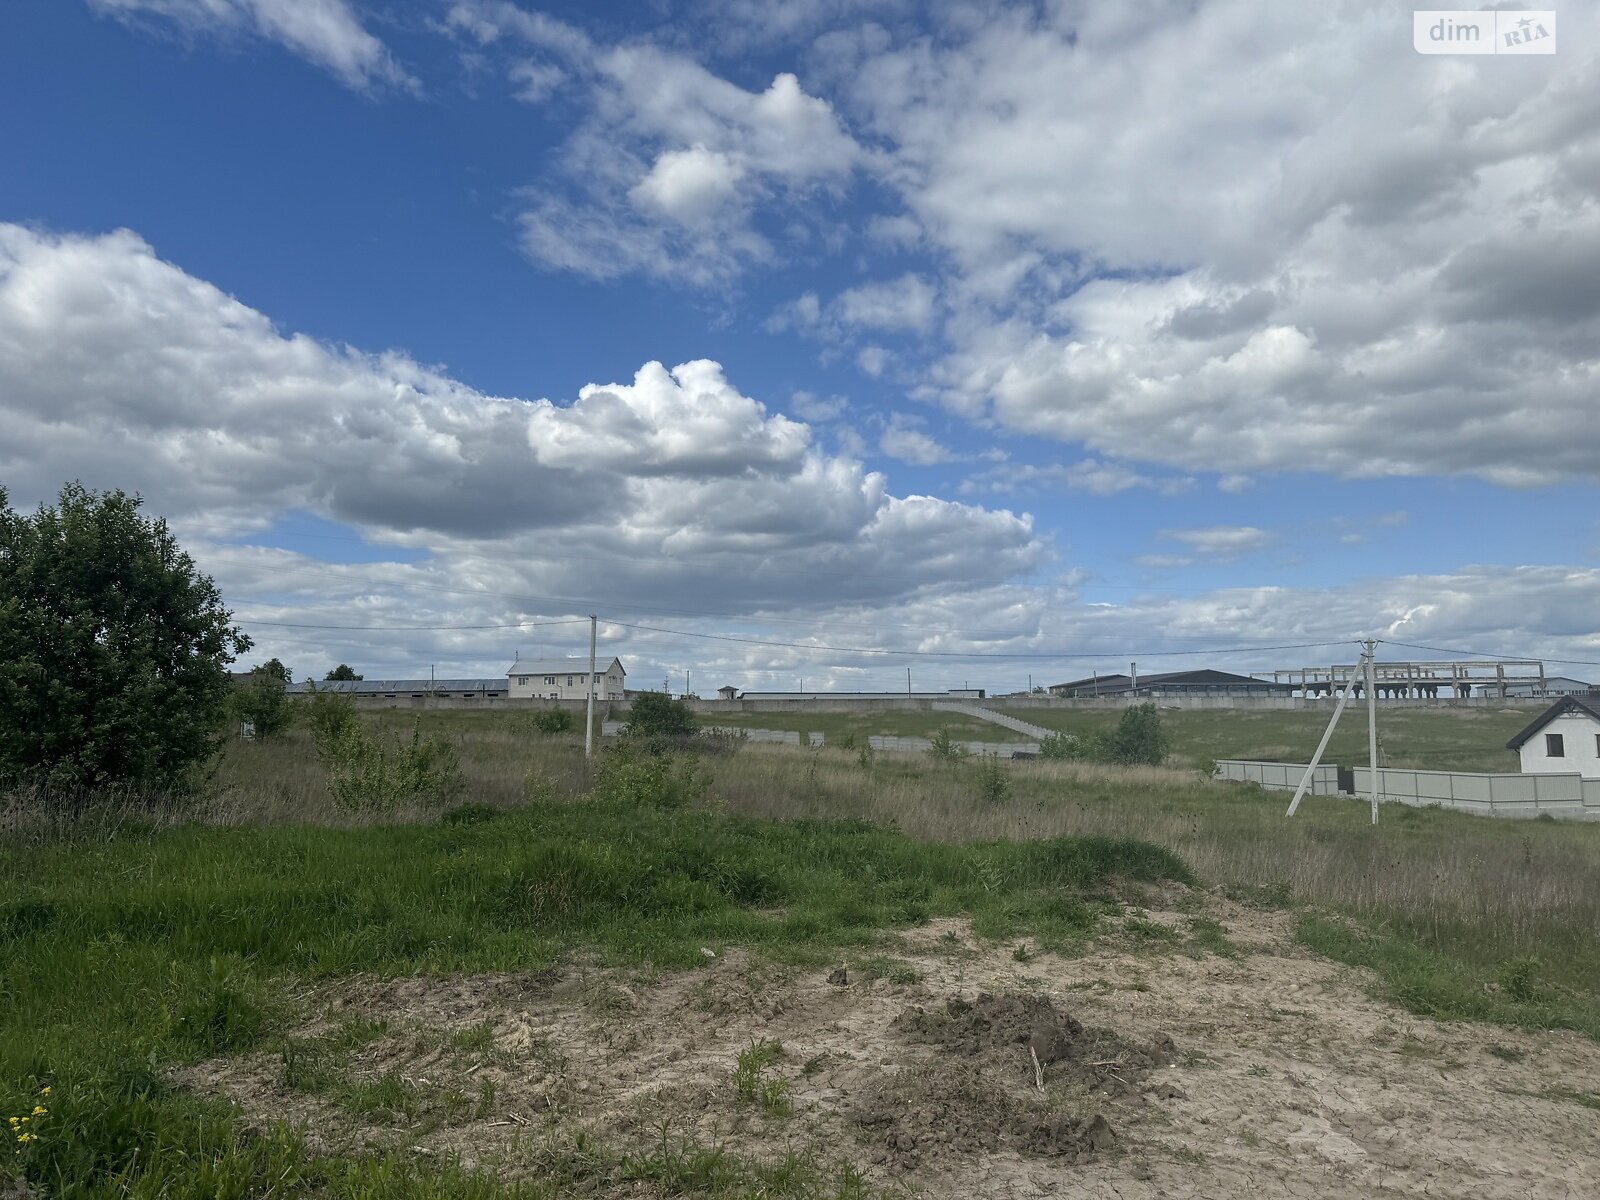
1057 330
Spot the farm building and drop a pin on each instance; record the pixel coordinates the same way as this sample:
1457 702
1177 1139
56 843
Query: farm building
1552 685
1564 738
564 679
1172 683
393 689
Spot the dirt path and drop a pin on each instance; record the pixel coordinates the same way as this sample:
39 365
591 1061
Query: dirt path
1282 1078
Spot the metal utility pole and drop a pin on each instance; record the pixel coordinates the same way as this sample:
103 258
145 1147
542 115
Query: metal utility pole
1305 780
908 683
1372 726
588 725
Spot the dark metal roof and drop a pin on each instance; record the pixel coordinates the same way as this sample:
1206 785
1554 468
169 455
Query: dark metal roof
1567 704
1203 677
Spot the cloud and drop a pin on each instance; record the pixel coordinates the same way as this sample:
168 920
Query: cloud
326 32
1090 475
1222 541
874 360
811 407
903 440
907 304
666 172
536 82
1387 270
122 370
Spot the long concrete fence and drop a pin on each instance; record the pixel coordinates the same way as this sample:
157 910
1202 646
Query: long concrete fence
1564 796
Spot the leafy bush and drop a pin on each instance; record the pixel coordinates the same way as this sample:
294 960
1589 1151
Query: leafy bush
114 648
943 746
1138 738
263 702
1062 747
553 720
656 713
994 785
330 716
661 781
377 773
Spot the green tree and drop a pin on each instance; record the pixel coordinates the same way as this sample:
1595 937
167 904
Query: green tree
276 669
658 714
1138 738
263 702
344 673
114 648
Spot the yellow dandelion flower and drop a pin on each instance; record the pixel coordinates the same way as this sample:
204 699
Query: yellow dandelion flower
40 1110
44 1091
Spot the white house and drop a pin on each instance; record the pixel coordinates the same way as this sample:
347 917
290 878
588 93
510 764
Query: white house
564 679
1565 738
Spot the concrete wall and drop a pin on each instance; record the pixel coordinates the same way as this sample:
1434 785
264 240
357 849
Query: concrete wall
1281 776
1580 751
1092 704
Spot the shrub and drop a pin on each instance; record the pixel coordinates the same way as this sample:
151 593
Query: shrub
1138 738
656 713
330 716
553 720
663 781
943 746
994 785
264 703
1062 747
114 648
376 773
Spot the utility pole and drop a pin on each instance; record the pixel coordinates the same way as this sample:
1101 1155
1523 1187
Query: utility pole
588 724
1372 726
908 683
1305 780
686 688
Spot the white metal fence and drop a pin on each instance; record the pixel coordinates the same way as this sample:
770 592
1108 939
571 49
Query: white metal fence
1499 795
1281 776
1569 797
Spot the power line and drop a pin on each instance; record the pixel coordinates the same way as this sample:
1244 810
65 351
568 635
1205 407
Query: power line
401 628
1577 662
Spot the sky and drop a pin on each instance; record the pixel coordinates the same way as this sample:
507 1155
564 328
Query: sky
808 341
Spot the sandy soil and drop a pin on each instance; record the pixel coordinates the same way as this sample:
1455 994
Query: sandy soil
1282 1077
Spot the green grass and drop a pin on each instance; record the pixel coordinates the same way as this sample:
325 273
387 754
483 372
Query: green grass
126 949
1432 739
125 954
834 726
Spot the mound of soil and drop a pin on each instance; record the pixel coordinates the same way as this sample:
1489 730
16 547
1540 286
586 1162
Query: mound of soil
949 1108
1011 1025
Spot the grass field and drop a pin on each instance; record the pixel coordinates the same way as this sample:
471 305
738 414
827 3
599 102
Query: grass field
834 726
129 948
1431 739
1436 739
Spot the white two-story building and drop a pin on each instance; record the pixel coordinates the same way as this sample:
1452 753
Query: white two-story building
564 679
1565 739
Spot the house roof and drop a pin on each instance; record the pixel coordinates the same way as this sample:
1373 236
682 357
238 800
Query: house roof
1567 704
562 666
